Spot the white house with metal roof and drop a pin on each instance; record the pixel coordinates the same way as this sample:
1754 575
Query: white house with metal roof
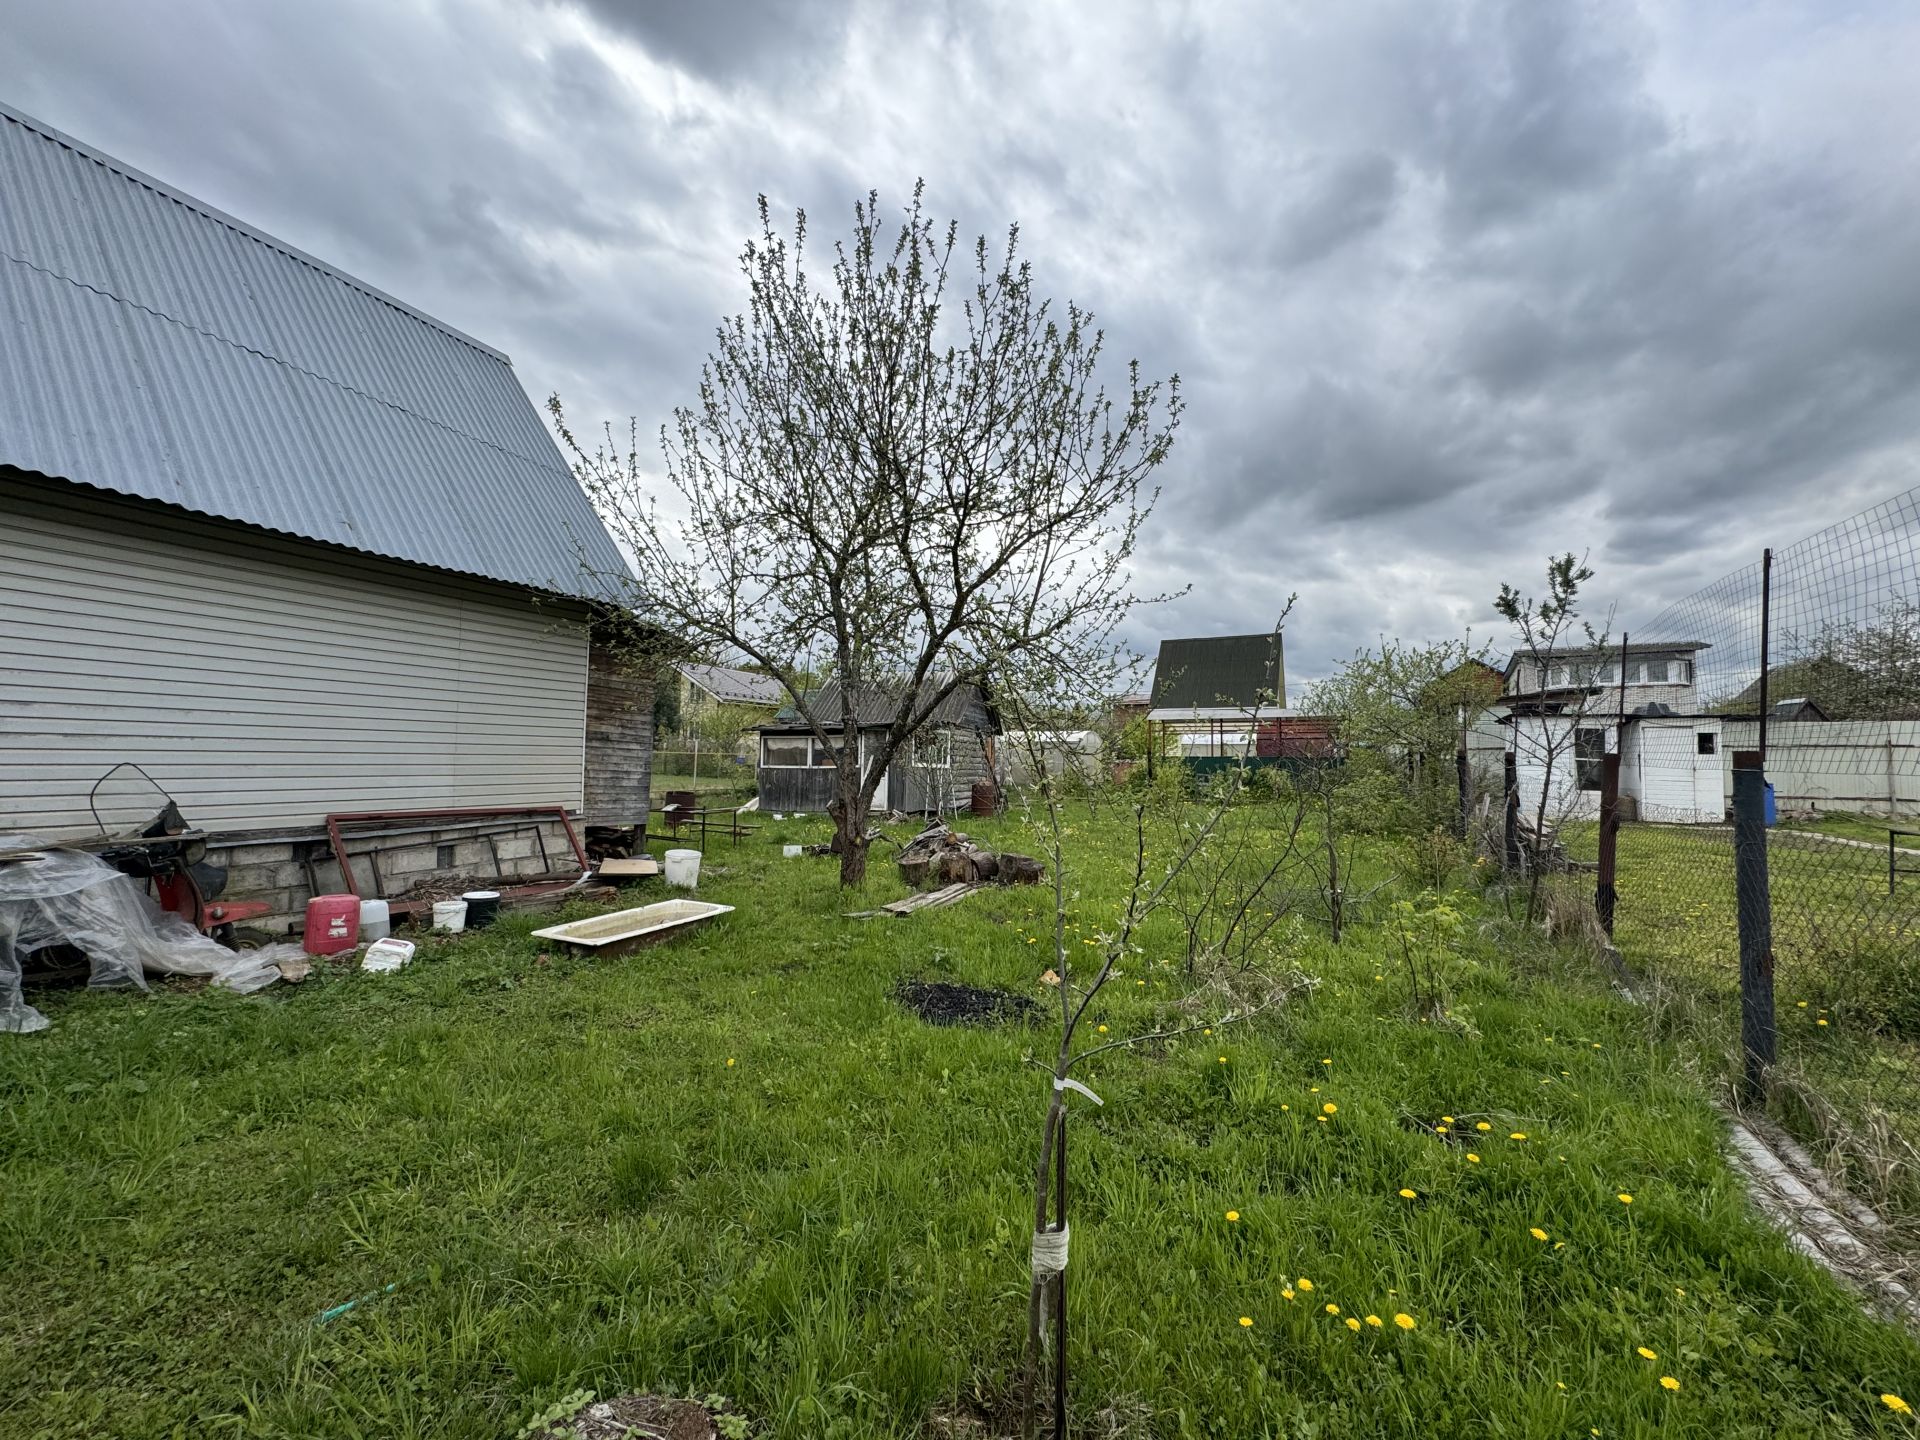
283 540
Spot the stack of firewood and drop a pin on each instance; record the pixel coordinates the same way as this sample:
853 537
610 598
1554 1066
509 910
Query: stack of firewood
940 856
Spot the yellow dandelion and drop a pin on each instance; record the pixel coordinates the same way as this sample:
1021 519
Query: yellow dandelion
1326 1062
1246 1322
1103 1029
1820 1022
1446 1120
1403 1320
1559 1384
1679 1290
1321 1118
1537 1233
1286 1292
1409 1194
1352 1324
1333 1309
1223 1059
1481 1125
1330 1108
1305 1284
1286 1107
1518 1135
1644 1353
1374 1320
1439 1129
1313 1089
729 1060
1624 1198
1207 1031
1803 1004
1472 1159
1233 1214
1667 1382
1896 1404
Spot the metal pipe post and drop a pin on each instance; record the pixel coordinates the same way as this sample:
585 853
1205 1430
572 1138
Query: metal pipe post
1605 895
1758 1032
1511 767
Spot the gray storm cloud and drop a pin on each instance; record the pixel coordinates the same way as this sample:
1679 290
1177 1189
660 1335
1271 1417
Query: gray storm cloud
1451 285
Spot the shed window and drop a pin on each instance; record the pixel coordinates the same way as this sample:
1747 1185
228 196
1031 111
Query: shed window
1707 743
784 752
933 749
1589 756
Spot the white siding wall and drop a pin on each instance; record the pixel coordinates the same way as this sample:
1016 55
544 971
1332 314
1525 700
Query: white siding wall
265 682
1868 766
1663 771
1538 740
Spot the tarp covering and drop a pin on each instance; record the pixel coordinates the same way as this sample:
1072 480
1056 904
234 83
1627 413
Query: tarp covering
74 898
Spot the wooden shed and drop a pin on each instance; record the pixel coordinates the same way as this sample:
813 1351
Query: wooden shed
934 772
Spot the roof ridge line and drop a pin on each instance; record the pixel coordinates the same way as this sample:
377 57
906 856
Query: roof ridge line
241 227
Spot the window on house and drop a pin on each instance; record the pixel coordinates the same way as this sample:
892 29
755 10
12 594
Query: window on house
1589 756
825 755
784 752
1656 672
933 749
1707 743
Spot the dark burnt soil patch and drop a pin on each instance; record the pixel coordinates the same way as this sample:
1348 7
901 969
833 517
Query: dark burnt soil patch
940 1002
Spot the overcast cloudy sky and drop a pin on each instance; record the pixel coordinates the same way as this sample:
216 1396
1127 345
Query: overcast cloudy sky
1450 285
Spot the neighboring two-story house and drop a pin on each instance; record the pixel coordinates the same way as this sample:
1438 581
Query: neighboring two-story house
1561 713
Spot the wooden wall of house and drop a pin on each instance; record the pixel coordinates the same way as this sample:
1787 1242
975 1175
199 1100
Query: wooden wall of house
920 788
789 791
619 748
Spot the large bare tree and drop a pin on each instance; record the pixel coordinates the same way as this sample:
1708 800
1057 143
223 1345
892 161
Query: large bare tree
897 477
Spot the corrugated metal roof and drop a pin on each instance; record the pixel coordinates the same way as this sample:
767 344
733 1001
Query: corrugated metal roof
877 705
158 348
735 687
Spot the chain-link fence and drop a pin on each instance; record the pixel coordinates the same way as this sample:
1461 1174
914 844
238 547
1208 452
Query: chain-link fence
703 769
1805 668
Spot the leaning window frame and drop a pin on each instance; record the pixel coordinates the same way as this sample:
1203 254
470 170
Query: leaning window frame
914 755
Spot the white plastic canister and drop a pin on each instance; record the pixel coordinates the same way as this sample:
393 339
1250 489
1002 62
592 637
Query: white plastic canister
450 915
375 922
683 868
385 956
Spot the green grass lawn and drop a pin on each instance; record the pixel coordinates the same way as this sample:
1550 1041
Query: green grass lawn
1872 829
735 1164
1847 978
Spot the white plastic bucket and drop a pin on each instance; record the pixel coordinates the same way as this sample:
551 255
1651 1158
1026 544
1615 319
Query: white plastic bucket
792 852
683 868
450 915
375 921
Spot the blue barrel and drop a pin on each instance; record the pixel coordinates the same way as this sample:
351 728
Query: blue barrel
1771 816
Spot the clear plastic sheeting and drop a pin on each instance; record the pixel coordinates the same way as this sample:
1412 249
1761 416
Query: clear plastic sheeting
73 898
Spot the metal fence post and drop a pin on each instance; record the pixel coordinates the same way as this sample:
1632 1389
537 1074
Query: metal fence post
1757 1029
1512 776
1463 776
1604 894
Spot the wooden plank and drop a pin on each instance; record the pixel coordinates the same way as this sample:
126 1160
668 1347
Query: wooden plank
931 899
621 868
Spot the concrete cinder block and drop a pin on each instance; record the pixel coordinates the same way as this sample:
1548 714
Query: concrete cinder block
258 854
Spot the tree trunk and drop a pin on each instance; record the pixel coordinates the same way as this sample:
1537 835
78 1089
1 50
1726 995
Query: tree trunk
849 812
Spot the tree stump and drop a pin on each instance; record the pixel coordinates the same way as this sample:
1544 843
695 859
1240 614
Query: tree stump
914 868
1020 870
